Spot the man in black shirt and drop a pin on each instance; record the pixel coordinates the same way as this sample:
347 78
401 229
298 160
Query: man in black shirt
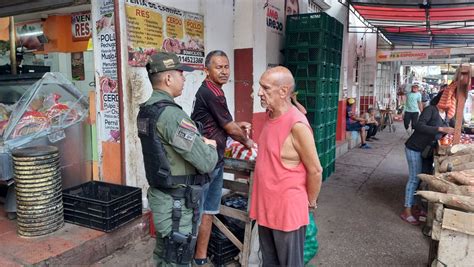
210 109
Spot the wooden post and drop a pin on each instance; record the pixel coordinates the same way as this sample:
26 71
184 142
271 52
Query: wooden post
463 86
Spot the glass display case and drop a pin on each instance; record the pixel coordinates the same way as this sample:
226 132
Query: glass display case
50 112
49 106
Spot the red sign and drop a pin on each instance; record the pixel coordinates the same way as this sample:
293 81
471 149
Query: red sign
81 26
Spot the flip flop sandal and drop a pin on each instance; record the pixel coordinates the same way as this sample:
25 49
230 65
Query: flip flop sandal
410 219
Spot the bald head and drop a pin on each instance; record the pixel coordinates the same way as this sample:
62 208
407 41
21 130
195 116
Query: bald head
276 87
281 77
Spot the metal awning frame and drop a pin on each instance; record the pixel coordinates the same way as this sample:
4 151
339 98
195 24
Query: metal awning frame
393 30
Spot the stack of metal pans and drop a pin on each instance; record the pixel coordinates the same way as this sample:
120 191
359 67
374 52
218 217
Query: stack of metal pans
38 190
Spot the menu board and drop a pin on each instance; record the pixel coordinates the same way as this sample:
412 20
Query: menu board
152 28
106 69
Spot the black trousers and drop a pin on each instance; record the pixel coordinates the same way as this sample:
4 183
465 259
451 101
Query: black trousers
282 248
410 117
372 130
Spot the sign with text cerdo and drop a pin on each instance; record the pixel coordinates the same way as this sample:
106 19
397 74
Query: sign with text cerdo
81 26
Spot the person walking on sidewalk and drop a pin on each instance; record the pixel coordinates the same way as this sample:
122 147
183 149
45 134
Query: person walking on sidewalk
175 155
431 126
287 177
210 109
413 107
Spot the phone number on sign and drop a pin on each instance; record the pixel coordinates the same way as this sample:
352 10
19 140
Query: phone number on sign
192 60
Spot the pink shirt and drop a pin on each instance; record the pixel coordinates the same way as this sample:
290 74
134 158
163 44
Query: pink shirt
279 197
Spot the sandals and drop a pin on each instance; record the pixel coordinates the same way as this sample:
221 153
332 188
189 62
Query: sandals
409 219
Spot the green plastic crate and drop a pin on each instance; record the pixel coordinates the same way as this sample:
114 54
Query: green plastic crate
336 70
320 118
332 113
302 100
334 87
321 147
292 67
297 39
318 54
322 102
311 116
301 86
318 132
297 55
333 144
312 85
321 39
322 86
323 159
310 21
301 70
311 100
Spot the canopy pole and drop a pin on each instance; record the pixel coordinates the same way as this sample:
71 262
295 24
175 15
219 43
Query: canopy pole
11 28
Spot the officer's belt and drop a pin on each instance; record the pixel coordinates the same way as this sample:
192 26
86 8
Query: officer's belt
179 192
183 179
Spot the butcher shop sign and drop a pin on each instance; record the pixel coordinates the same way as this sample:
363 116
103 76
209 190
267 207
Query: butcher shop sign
81 26
152 27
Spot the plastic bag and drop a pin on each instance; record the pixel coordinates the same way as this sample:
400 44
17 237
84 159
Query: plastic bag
311 245
238 151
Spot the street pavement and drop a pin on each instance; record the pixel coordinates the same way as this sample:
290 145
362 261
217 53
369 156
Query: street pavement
359 207
357 215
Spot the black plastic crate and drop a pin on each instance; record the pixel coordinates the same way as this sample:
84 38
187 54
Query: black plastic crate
102 206
221 250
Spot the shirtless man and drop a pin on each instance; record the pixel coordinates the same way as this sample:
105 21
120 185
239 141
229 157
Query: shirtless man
287 176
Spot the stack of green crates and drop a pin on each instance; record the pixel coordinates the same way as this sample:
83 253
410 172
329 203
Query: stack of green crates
313 55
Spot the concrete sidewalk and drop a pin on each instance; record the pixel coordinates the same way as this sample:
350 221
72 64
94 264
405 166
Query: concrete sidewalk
357 216
359 207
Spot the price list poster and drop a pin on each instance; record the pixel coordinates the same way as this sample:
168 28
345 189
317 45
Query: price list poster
152 28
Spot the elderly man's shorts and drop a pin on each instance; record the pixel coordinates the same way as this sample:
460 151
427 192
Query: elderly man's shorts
355 126
212 192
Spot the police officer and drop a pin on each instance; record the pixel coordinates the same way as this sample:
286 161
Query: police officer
175 155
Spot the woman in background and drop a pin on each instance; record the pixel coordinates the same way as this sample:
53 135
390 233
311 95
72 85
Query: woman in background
431 126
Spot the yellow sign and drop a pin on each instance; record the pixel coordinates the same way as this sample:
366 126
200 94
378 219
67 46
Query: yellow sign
145 27
194 28
152 27
174 27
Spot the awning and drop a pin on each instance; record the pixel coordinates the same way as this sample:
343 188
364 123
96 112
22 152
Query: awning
417 23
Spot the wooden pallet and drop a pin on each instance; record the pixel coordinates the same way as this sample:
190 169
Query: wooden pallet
454 230
240 167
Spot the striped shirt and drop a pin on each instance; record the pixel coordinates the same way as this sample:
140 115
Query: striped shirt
210 109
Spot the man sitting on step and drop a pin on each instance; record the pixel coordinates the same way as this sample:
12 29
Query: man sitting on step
354 123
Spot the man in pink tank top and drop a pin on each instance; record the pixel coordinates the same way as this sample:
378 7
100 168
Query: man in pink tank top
287 176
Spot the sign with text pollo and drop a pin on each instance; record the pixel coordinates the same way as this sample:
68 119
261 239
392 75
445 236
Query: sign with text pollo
152 27
81 26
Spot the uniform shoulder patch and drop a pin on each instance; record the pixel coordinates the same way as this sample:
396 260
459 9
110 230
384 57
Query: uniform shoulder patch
185 135
188 124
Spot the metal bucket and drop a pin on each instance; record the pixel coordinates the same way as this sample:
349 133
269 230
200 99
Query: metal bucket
38 190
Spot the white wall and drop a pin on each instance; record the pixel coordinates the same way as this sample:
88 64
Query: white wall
339 12
243 24
218 34
363 45
259 49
